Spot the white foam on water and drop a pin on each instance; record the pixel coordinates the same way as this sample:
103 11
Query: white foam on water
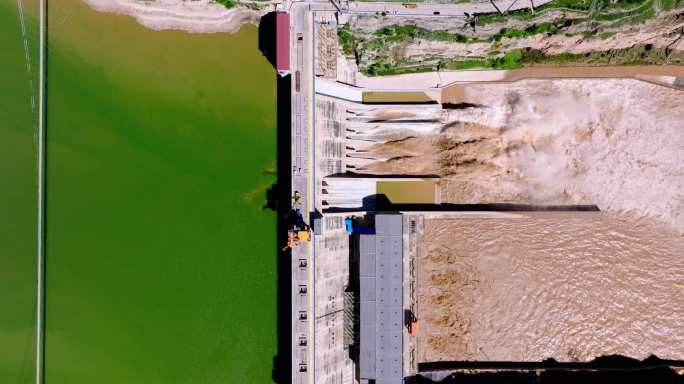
616 143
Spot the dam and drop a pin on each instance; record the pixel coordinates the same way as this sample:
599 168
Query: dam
510 243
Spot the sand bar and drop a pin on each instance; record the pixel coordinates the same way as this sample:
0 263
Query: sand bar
197 16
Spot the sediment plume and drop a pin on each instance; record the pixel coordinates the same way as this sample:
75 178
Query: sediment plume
615 143
567 286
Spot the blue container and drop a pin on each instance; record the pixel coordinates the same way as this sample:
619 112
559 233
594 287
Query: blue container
349 226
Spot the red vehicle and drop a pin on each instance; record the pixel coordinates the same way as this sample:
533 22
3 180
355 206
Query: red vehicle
282 43
297 81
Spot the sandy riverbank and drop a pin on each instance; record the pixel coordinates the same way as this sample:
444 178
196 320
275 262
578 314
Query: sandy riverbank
197 16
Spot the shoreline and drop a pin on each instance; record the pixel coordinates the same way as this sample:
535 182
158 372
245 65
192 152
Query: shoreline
198 16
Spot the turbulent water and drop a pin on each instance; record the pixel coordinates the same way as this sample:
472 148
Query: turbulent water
565 286
615 143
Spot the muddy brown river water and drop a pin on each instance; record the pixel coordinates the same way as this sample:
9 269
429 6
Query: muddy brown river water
566 286
615 143
554 285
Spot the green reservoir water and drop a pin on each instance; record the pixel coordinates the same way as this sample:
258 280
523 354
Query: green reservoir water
161 262
18 173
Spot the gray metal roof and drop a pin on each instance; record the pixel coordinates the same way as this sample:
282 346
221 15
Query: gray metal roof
381 307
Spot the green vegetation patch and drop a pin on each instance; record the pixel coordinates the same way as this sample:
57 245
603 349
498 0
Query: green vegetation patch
668 5
227 3
592 9
401 33
637 55
534 29
385 69
379 42
347 40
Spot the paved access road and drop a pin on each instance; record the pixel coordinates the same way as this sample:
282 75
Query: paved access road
424 9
